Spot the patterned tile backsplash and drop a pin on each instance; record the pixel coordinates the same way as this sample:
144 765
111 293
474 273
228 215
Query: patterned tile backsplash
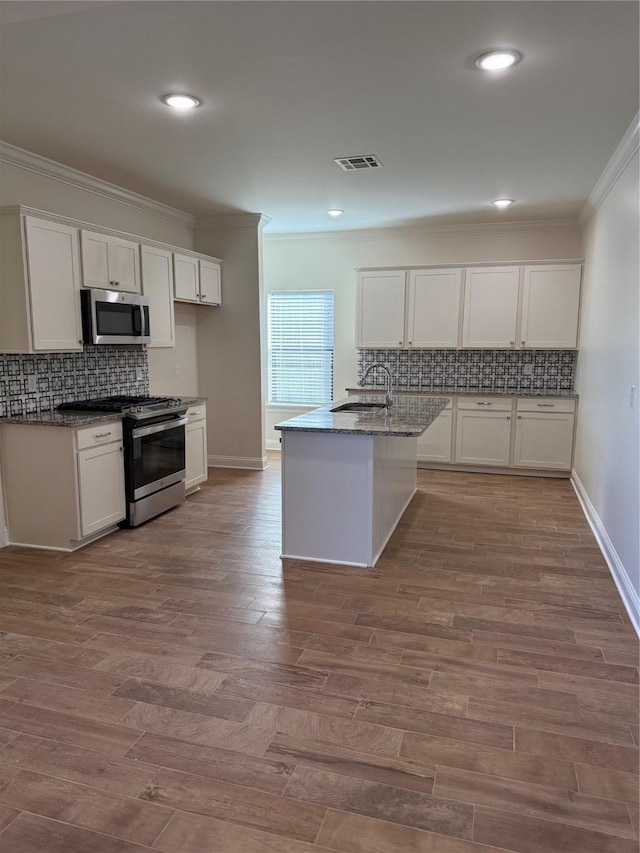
473 370
30 384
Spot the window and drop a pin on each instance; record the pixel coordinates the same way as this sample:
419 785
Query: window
300 346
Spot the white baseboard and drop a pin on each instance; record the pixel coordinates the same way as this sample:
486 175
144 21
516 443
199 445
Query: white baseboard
630 597
273 444
251 463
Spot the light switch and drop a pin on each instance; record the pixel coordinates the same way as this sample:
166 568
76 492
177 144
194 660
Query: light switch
528 370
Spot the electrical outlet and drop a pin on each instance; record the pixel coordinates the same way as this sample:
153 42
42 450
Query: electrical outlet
528 370
632 397
139 374
32 382
178 369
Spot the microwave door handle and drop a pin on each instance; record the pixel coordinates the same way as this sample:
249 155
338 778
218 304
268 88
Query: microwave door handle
146 324
137 320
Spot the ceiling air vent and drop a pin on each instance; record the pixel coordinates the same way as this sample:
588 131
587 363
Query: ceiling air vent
364 161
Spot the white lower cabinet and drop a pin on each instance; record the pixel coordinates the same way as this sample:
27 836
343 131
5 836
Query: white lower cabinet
435 444
544 434
100 488
63 486
483 437
196 446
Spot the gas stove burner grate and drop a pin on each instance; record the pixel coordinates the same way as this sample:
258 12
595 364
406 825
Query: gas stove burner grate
115 404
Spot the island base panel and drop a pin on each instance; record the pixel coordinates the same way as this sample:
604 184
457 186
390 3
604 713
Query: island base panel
343 495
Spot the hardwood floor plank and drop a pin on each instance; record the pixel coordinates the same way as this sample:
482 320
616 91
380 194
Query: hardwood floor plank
537 645
223 765
123 817
543 770
435 645
192 833
198 728
548 663
221 800
396 805
569 807
7 815
293 675
165 672
318 626
488 688
356 734
89 734
145 648
353 833
577 749
531 835
30 833
212 704
63 674
132 628
340 665
64 761
444 725
56 697
321 755
304 699
396 693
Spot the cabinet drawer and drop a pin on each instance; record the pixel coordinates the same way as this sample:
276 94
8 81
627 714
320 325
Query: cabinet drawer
99 434
197 412
482 404
546 404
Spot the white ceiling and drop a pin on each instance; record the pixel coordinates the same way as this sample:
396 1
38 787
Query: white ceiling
288 86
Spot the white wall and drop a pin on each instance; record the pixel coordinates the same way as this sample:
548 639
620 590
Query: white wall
607 456
173 371
229 345
328 262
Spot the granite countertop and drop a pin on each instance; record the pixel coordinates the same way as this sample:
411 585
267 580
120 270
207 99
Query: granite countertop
80 419
407 416
461 392
63 419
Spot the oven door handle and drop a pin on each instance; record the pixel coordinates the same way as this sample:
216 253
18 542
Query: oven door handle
163 427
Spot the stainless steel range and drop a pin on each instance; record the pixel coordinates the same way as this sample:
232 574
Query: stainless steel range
154 451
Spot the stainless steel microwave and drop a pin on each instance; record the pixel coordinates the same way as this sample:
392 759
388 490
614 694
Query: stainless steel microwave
110 317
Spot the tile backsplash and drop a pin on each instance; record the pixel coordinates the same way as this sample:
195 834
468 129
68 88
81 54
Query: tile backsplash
31 384
473 370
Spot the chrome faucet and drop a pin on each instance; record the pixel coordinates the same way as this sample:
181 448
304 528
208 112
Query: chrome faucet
389 394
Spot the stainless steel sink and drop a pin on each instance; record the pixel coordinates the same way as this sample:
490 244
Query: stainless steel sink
371 408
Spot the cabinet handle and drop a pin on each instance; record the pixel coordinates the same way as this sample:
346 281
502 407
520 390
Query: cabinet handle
114 283
203 296
410 343
508 417
512 343
546 405
80 342
195 413
399 343
484 404
102 434
519 417
523 343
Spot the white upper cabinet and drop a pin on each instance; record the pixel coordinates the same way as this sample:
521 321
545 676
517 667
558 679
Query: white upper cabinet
490 307
187 278
433 309
380 318
210 283
54 286
157 285
550 306
110 262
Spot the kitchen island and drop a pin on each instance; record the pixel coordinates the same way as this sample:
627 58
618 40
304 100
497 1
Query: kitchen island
348 476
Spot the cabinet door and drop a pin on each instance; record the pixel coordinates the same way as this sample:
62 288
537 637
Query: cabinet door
434 445
210 283
95 260
544 441
124 265
483 438
54 285
101 487
186 278
550 306
490 307
157 284
196 454
433 310
381 309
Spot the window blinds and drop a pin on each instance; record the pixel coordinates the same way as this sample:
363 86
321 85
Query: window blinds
300 346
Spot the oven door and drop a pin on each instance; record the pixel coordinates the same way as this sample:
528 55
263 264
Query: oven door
156 457
110 317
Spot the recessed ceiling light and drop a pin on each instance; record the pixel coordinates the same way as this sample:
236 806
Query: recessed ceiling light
335 212
498 60
502 202
180 101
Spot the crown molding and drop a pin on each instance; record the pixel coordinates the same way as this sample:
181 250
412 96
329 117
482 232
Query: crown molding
232 220
620 158
422 231
30 162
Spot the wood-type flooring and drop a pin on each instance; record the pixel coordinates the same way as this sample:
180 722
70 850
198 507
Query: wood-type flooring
177 688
